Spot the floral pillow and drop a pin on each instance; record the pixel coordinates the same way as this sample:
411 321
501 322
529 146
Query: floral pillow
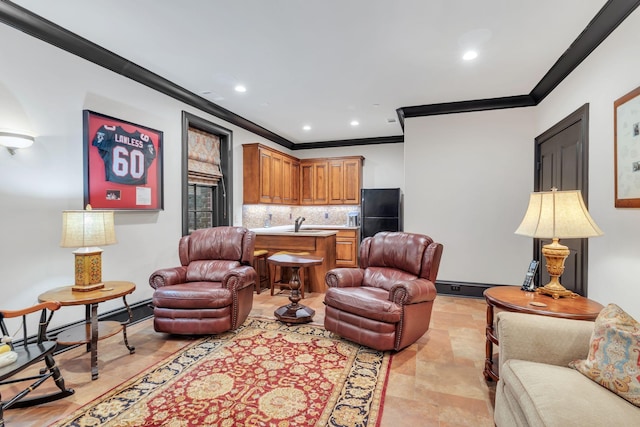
614 354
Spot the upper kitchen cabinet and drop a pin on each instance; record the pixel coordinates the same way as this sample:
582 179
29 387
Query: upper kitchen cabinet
345 178
269 176
331 181
272 177
314 182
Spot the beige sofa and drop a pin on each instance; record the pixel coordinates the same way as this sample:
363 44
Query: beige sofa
537 388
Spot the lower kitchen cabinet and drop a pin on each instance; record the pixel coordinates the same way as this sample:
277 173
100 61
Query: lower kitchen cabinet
347 248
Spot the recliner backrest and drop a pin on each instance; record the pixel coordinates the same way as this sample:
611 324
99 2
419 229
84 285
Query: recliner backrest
217 243
414 255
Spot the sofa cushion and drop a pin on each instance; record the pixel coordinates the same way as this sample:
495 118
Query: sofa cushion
537 394
614 354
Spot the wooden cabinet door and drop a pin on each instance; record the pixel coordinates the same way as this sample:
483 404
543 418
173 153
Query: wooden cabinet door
336 182
347 248
265 176
290 181
306 182
276 178
351 173
320 183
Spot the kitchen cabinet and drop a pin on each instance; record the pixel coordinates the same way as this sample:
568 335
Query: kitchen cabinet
269 176
314 182
290 181
347 247
345 177
332 181
272 177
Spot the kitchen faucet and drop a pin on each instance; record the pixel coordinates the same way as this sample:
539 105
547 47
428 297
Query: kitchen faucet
298 223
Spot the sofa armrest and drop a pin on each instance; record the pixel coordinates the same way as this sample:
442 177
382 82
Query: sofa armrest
168 277
543 339
345 277
412 291
239 278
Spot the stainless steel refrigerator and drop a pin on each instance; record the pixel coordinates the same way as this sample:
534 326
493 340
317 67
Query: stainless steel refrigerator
381 210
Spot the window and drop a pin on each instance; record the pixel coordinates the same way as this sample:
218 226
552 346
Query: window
201 209
207 167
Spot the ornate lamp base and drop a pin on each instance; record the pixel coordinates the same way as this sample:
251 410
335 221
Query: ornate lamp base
88 269
555 254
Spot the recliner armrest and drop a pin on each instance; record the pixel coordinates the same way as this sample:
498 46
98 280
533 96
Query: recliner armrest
168 277
543 339
344 277
412 291
239 278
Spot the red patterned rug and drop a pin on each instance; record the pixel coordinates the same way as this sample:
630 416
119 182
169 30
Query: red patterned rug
265 374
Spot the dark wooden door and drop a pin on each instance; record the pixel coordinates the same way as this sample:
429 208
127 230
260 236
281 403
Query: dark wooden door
562 162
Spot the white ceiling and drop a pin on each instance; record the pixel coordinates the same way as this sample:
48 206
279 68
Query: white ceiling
326 63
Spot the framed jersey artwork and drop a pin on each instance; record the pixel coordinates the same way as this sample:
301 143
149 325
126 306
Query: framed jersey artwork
122 164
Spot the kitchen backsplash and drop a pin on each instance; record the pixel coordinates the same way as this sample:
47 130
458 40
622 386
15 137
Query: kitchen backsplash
258 216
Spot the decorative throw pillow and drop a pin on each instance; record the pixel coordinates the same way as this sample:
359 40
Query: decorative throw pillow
614 354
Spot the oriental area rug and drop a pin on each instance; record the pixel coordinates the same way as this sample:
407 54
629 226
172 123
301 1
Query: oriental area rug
264 374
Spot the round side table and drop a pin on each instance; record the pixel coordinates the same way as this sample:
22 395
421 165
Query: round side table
92 330
294 312
512 298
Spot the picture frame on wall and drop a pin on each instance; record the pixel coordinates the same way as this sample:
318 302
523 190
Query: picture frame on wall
122 164
627 150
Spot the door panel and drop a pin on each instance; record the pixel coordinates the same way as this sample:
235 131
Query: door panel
562 160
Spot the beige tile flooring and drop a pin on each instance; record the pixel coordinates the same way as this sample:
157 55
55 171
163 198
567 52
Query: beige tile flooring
435 382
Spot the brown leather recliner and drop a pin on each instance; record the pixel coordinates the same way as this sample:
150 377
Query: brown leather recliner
212 291
386 303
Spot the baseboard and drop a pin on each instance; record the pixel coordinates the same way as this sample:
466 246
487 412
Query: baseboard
462 289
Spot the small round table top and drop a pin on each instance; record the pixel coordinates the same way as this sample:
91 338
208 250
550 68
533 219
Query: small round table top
512 298
66 296
291 260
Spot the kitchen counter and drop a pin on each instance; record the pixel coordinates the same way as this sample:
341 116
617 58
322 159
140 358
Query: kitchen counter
316 240
305 230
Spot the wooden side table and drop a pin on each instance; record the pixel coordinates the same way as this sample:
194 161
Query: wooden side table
92 330
294 312
512 298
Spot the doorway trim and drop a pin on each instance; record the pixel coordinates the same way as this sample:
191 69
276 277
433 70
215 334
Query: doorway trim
581 116
225 197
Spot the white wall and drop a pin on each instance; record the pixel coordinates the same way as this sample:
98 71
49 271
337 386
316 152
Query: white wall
383 163
466 177
467 184
45 89
608 73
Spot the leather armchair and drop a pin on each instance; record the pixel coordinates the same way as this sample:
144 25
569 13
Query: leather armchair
212 291
386 303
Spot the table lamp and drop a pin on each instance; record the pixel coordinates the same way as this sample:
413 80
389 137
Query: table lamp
557 215
85 230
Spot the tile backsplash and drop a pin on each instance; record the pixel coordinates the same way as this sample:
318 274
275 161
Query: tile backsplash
258 216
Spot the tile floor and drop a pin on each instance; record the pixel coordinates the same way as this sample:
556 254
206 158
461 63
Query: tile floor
435 382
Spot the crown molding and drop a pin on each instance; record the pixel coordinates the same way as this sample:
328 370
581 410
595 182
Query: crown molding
612 14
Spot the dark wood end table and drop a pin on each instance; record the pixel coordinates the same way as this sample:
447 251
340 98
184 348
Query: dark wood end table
512 298
294 312
92 330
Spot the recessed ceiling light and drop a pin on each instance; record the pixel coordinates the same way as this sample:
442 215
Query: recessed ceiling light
306 127
240 88
354 123
469 55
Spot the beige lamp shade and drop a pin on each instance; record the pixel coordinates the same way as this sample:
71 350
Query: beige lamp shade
87 228
558 214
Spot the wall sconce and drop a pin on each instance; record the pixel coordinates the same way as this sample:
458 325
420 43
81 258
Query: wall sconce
14 140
